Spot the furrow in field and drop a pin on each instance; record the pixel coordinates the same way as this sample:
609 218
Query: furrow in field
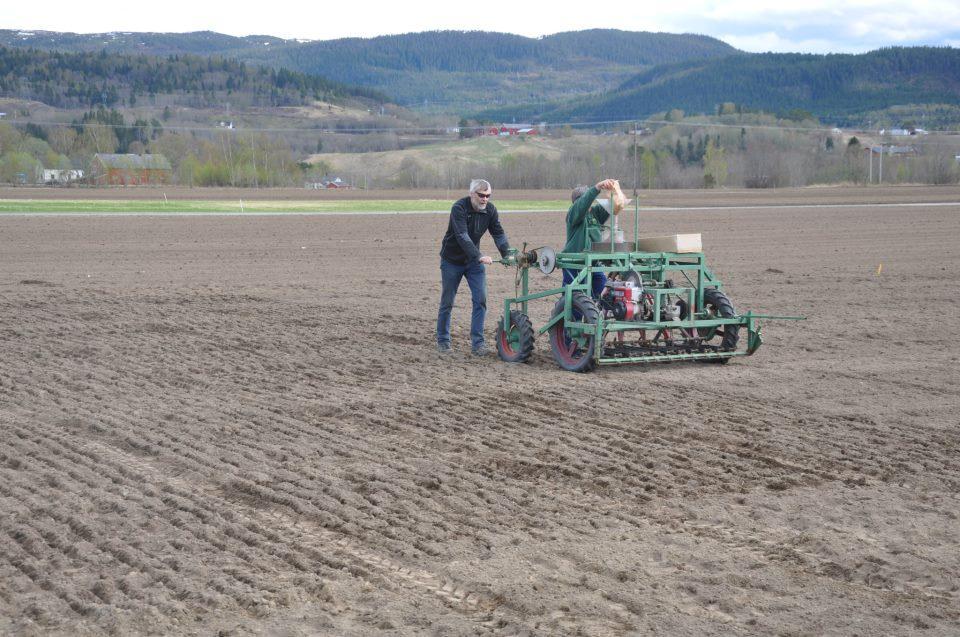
319 540
154 559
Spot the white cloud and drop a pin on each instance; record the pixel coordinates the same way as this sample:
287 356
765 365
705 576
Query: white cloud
772 42
818 25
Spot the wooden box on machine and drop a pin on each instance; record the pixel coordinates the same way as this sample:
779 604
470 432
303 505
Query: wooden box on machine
671 243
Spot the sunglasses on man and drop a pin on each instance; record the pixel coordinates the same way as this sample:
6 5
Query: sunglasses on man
483 195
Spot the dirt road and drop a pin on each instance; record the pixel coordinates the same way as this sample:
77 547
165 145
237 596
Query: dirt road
240 425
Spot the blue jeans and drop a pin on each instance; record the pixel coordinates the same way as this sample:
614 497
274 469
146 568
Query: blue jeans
450 276
599 280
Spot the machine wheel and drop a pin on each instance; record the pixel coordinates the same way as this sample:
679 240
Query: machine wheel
722 307
515 345
575 353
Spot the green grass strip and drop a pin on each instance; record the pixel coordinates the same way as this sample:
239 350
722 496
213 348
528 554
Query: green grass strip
174 207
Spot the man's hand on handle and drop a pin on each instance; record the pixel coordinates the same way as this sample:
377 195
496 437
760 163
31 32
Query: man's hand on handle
485 260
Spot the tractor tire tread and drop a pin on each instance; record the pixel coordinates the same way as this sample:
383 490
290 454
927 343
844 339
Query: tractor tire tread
521 322
591 314
724 309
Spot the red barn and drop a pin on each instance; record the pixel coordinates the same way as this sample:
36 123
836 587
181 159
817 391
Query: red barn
130 170
506 130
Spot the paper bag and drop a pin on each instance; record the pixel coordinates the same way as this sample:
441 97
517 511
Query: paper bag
619 200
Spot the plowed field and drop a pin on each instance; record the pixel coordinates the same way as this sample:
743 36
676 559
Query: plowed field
240 426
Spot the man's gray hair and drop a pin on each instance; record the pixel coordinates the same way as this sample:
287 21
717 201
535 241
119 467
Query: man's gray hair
479 184
578 192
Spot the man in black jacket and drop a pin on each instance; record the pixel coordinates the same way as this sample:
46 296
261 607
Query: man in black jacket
460 257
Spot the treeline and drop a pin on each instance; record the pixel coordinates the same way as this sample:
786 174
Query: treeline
83 80
222 158
249 160
762 152
27 149
766 163
733 149
23 156
836 88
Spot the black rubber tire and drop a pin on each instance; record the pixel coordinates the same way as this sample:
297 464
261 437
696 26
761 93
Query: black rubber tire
522 328
722 307
569 355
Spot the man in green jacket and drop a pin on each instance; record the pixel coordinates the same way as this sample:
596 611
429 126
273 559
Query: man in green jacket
584 212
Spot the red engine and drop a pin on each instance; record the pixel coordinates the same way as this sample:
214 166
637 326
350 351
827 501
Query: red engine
626 300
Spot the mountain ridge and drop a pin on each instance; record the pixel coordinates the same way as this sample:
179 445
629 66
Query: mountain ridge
839 87
433 67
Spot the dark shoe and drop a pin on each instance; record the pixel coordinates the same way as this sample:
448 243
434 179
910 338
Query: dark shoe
444 348
481 351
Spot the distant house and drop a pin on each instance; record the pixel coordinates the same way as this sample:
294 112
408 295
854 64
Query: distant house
506 130
327 182
333 182
60 177
130 170
904 132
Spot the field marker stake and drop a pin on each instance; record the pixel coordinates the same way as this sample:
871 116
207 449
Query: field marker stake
241 205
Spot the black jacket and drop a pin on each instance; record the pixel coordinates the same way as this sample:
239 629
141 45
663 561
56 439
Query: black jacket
461 242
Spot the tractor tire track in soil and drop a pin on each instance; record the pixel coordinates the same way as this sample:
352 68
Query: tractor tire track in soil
242 425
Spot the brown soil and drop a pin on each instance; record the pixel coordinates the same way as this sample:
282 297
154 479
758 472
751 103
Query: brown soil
750 197
241 425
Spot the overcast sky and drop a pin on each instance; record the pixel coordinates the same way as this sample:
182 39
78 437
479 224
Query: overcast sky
814 26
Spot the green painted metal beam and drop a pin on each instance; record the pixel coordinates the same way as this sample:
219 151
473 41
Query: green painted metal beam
665 358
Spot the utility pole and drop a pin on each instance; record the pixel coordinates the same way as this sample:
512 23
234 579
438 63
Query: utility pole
870 178
880 171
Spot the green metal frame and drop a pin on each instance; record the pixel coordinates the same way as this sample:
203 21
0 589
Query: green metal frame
655 269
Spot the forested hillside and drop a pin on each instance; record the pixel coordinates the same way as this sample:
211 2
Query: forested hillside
478 51
197 42
81 80
587 75
838 88
449 71
443 50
